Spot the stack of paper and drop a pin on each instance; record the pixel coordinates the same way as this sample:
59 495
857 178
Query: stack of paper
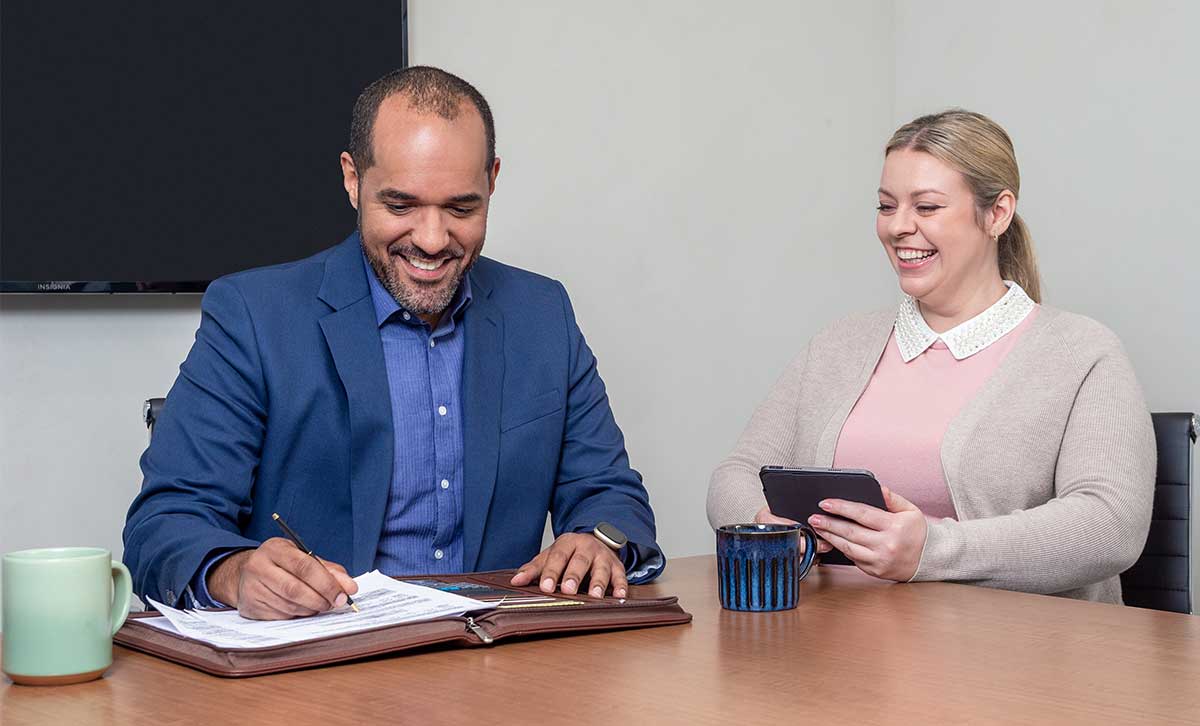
381 601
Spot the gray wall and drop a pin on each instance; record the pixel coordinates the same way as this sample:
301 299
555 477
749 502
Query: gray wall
73 373
700 175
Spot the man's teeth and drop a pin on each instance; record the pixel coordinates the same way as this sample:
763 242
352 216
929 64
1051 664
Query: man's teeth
428 265
912 255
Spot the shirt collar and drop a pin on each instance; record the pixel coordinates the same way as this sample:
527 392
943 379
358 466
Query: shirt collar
386 305
914 336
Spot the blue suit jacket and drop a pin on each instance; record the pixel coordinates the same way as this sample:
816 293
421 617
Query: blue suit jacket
283 406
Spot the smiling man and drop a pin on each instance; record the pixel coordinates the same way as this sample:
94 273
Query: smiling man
401 401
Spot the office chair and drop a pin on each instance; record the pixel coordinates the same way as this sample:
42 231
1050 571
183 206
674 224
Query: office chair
150 410
1161 578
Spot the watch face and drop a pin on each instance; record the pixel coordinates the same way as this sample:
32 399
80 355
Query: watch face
610 535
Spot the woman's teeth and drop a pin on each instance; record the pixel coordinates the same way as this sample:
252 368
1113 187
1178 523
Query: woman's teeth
915 255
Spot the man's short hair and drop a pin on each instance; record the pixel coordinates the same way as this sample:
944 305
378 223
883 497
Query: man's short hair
428 90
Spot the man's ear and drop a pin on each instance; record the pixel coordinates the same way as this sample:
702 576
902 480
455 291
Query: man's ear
495 172
350 178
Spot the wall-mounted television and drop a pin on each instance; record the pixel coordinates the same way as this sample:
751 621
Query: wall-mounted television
150 146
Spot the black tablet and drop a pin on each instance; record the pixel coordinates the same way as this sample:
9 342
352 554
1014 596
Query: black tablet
795 493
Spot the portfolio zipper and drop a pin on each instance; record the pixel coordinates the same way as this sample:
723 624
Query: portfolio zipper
479 632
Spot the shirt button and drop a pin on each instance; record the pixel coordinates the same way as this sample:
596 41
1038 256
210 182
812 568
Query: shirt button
407 316
441 410
437 554
445 484
432 343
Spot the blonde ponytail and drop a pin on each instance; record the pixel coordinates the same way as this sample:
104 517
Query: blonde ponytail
1017 260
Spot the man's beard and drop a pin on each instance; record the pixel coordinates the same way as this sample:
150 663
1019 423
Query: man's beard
415 297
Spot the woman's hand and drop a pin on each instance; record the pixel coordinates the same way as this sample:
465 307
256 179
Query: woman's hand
764 516
885 544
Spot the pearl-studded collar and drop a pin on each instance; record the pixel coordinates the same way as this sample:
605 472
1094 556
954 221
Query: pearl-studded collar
914 336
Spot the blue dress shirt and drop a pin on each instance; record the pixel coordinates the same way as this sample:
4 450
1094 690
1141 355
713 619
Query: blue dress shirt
422 528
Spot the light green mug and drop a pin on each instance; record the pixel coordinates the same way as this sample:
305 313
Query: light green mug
61 607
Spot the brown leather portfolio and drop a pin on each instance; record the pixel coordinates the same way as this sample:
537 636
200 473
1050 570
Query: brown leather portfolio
548 615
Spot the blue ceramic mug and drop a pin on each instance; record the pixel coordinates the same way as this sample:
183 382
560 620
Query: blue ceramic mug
760 566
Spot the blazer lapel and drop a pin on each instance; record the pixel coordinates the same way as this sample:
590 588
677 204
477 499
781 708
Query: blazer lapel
483 377
352 333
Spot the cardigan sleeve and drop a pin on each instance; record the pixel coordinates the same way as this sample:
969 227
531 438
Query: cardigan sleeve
734 491
1095 525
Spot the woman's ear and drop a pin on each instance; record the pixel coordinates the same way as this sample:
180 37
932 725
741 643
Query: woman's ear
1001 214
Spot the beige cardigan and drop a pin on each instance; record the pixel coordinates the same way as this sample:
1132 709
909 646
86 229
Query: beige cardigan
1050 467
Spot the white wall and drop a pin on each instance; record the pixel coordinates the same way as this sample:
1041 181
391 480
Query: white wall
1101 101
700 175
73 373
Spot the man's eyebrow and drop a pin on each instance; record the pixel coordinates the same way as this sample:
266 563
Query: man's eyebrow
397 195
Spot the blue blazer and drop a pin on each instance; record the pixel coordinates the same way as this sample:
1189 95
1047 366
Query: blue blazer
282 405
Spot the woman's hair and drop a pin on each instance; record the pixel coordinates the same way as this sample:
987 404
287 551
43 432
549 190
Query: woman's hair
978 148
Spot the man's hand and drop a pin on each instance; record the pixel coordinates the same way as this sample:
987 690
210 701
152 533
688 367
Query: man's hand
886 544
572 558
278 582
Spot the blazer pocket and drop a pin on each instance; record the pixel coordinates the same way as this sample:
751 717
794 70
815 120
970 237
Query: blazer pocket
531 410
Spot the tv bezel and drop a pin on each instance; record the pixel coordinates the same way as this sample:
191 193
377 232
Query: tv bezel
99 287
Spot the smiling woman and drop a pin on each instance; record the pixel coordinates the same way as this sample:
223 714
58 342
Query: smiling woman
947 215
1011 439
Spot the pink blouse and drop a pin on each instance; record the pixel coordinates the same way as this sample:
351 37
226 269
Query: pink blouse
895 429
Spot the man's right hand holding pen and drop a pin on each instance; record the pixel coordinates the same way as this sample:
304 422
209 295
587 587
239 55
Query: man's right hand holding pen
278 581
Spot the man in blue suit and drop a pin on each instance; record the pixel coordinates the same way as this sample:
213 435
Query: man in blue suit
399 400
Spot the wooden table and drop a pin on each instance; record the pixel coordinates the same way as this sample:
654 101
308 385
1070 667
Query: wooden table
856 650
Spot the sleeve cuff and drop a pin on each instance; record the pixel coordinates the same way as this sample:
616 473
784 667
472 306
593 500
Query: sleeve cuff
939 549
197 595
642 563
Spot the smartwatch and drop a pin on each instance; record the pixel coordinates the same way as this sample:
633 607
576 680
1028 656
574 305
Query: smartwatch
610 535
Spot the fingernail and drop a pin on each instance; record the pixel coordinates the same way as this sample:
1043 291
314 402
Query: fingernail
340 600
824 504
620 592
569 586
597 592
816 520
548 584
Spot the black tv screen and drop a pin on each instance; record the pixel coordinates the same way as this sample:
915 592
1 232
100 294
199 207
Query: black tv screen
150 146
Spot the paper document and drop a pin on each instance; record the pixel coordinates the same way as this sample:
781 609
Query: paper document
381 601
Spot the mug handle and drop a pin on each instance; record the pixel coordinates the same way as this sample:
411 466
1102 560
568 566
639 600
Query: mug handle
122 592
810 551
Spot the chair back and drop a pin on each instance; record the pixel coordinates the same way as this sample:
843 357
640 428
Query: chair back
150 410
1161 578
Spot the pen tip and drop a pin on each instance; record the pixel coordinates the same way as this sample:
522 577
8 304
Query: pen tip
354 607
275 515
